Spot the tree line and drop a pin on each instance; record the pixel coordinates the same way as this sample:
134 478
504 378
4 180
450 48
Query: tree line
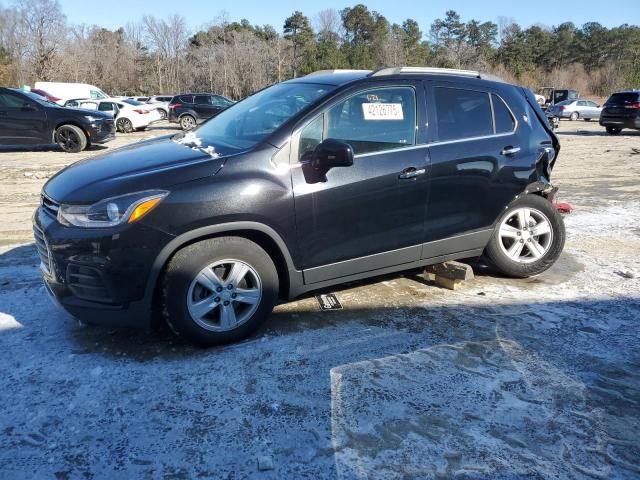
236 58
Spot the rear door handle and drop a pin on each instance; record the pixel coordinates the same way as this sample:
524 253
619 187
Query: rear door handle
509 151
411 172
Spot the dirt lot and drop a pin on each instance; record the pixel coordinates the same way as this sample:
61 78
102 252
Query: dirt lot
501 379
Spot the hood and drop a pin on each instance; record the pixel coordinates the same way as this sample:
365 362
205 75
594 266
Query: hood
151 164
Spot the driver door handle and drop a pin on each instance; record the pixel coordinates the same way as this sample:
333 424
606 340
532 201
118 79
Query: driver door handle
509 151
411 172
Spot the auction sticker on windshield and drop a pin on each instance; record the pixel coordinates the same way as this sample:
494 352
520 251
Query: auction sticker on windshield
382 111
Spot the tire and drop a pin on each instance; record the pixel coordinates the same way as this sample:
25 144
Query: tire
510 234
187 122
574 116
613 130
70 138
124 125
163 114
184 286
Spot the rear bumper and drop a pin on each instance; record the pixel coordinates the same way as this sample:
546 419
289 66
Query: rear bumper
620 122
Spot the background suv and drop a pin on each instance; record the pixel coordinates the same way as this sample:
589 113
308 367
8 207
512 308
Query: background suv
189 109
29 119
317 181
621 110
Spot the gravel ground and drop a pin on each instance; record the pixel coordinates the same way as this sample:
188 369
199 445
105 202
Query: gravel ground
536 378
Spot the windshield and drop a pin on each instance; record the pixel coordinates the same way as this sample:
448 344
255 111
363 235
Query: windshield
246 123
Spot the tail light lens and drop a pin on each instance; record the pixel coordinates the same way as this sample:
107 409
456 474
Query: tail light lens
562 108
142 112
175 105
634 106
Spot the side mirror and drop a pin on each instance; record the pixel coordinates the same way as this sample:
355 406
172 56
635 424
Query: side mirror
331 153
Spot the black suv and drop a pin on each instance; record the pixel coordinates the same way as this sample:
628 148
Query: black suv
29 119
621 110
316 181
190 109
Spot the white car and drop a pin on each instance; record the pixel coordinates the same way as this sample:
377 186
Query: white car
161 103
129 114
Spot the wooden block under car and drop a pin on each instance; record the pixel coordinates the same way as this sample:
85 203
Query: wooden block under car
449 275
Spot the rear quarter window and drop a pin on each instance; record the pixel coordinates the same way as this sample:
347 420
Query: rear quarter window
505 123
186 98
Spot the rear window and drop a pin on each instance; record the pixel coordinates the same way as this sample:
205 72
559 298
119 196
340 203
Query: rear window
623 98
462 113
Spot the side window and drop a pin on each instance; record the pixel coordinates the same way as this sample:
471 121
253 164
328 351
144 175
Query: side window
71 103
95 94
504 121
186 99
219 101
12 101
203 100
592 104
89 105
582 103
106 107
375 120
462 113
310 138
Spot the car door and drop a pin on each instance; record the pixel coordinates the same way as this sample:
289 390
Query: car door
204 108
594 109
22 120
475 162
369 215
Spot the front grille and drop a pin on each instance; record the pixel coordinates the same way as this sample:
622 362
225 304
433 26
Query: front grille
43 250
50 206
87 283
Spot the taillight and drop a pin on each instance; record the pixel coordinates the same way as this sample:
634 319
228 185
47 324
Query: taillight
54 99
635 106
140 111
175 105
562 108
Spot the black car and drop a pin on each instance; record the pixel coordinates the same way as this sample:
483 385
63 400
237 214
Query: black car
29 119
190 109
621 110
320 180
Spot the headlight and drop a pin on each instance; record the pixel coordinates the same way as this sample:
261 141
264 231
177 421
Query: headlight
111 211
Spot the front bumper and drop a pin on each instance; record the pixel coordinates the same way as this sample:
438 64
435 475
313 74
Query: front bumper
99 276
102 132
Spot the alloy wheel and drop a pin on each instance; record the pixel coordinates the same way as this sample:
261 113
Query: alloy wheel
224 295
67 138
124 125
526 235
187 123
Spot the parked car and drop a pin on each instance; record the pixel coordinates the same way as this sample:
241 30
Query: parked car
46 95
553 96
65 91
621 110
190 109
139 99
313 182
161 103
127 117
576 109
28 119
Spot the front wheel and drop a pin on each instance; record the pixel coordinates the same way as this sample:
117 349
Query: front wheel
71 139
219 290
574 116
528 238
163 114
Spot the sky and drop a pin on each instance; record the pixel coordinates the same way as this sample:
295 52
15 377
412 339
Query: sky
201 12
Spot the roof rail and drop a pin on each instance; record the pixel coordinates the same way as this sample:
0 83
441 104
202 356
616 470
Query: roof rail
336 70
429 70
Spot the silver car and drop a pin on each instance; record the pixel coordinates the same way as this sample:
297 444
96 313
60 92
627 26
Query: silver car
575 109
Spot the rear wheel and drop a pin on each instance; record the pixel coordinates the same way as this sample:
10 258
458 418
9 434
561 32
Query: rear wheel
70 138
219 290
163 114
613 130
574 116
528 239
187 122
124 125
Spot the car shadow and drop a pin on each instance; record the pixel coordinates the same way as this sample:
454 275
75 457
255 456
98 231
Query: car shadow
598 133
